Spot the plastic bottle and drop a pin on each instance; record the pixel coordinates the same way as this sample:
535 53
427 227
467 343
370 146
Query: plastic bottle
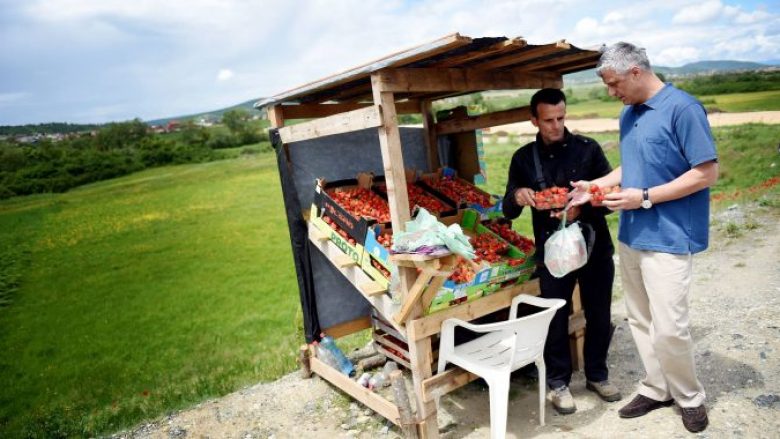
364 379
325 355
377 381
342 362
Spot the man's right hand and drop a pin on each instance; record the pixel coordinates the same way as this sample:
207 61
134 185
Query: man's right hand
580 194
525 197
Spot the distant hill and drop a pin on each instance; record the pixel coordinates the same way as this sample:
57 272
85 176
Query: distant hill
215 115
695 68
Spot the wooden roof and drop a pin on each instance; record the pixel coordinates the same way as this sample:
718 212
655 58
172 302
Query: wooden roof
484 54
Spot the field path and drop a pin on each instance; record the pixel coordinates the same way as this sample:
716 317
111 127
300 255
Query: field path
605 125
734 320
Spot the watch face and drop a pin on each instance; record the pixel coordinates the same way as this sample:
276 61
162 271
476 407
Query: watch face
646 204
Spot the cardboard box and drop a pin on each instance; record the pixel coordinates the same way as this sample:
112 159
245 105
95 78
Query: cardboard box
354 251
355 227
430 182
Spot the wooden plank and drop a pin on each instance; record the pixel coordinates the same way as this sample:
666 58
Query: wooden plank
431 139
422 327
344 261
372 289
403 57
502 47
310 111
275 116
347 328
462 79
392 157
493 119
421 357
577 348
370 399
525 55
406 418
445 382
354 120
393 357
356 276
554 63
576 322
412 296
404 259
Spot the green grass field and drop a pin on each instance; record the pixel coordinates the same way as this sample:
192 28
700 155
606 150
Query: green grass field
145 294
148 293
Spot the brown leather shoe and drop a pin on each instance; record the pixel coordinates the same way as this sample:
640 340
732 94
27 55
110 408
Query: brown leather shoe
642 405
694 418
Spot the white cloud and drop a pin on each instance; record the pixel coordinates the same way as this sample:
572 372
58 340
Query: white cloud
752 17
168 55
224 75
613 17
699 13
587 26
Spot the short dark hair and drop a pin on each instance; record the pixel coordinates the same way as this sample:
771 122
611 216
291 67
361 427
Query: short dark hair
552 96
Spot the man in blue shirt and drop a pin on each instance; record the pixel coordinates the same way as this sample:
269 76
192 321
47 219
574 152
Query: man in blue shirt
668 162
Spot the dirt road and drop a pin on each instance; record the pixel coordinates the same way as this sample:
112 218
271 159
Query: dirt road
605 125
735 300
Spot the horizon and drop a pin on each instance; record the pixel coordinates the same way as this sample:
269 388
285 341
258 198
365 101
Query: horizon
95 62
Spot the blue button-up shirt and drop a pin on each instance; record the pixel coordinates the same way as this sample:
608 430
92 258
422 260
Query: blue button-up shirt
660 140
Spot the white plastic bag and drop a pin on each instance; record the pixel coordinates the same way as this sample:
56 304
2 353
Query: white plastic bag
425 234
565 251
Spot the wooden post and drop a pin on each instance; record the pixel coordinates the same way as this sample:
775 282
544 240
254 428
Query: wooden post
406 420
275 116
431 139
305 355
577 338
420 355
392 156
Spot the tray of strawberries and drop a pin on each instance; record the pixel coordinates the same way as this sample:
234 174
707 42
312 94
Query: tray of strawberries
551 198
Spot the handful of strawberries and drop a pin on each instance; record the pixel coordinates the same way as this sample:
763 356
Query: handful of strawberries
598 193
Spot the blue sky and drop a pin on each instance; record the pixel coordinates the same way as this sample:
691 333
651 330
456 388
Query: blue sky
108 60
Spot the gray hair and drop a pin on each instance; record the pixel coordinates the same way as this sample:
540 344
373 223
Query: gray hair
620 57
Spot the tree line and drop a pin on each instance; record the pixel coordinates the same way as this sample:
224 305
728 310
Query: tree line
117 149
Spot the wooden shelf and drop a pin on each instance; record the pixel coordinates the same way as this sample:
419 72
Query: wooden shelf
357 277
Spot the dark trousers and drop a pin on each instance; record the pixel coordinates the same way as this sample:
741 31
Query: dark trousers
595 280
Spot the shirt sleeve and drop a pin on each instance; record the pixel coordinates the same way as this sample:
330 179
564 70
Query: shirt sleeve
514 181
695 136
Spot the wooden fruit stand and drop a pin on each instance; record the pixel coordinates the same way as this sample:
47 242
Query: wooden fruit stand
372 96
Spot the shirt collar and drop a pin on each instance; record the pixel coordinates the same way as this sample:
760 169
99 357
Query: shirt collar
557 145
659 97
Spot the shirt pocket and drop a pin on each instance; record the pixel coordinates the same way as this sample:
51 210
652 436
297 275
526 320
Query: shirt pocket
654 149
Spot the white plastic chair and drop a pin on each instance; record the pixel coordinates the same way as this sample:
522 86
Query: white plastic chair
505 347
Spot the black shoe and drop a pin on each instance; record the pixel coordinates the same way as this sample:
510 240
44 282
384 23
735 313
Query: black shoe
695 418
642 405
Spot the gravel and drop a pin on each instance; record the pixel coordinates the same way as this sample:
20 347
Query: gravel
735 300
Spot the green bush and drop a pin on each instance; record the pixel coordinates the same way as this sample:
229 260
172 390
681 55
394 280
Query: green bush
221 140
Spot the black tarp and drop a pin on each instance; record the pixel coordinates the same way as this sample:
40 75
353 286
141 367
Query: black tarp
327 297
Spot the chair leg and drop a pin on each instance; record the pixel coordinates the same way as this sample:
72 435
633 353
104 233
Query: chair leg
499 400
540 367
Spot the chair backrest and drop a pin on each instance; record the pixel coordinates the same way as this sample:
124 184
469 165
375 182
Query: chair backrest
529 332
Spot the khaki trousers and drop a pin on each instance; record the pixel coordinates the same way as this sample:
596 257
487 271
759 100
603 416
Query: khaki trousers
656 287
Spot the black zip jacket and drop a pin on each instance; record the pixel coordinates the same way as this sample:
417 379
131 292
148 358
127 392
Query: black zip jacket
575 158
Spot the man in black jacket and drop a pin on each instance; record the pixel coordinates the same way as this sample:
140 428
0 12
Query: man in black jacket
564 157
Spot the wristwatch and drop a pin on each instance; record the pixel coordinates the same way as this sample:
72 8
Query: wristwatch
646 203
